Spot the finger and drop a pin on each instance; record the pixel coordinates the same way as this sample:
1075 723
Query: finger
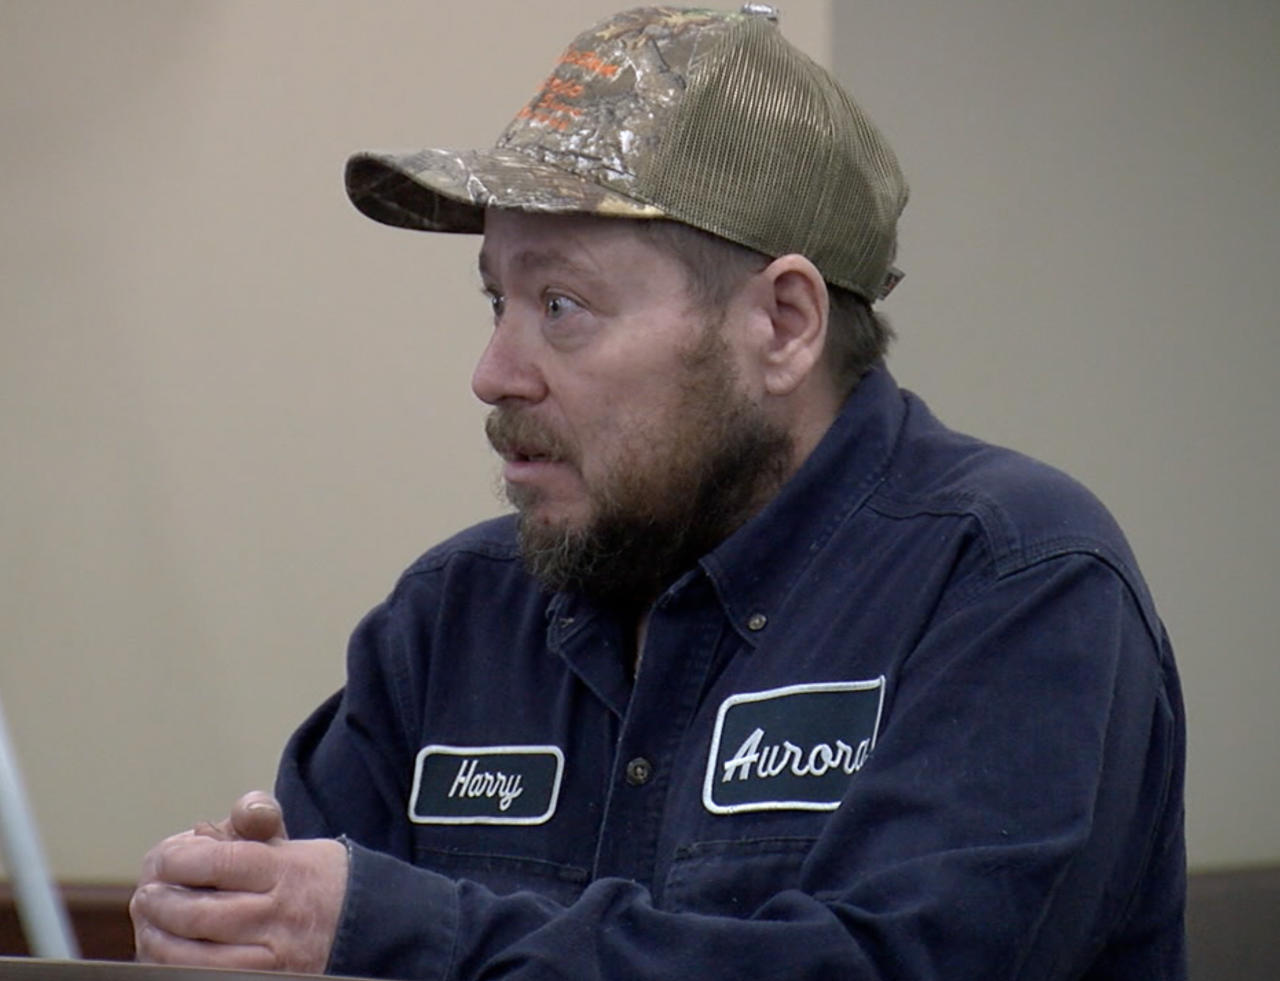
213 915
155 946
202 863
219 832
257 816
151 860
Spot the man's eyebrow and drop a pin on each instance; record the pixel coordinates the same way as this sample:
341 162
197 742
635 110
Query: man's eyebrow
542 260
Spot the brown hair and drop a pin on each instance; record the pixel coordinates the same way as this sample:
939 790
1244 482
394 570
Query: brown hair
857 336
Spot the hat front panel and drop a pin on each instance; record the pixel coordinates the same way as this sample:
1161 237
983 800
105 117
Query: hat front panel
603 112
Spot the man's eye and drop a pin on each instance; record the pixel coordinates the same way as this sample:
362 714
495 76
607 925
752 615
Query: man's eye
558 306
497 302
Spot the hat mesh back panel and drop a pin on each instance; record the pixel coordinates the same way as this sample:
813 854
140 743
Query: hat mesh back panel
759 153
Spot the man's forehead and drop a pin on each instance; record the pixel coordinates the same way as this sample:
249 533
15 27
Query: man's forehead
532 242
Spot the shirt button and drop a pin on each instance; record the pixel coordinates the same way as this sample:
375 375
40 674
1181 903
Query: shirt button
756 622
639 771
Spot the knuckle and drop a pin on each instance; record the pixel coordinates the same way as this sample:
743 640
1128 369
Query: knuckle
142 944
137 905
158 865
152 945
222 862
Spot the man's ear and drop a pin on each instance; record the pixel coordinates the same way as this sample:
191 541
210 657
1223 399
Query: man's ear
799 309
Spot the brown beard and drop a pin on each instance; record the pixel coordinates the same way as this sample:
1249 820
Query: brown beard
654 519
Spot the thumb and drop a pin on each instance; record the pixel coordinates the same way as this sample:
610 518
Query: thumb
257 816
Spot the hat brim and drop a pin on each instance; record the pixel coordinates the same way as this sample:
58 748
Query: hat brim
449 190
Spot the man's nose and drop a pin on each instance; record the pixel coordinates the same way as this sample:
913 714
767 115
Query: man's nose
507 368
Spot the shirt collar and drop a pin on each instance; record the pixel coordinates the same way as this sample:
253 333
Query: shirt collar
757 567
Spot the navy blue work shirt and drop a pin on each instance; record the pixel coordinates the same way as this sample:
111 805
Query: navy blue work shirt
917 719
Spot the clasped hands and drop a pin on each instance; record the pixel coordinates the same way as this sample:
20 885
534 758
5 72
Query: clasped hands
239 894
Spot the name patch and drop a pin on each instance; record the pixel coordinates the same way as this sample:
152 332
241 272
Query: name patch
794 748
486 784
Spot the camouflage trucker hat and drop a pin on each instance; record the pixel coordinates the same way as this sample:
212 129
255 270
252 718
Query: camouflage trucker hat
708 118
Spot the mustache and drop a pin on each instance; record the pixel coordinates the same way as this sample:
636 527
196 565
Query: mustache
517 435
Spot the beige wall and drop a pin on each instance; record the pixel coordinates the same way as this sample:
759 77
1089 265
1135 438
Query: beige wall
231 409
1091 254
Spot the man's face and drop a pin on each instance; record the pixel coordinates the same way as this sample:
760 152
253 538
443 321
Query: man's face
629 447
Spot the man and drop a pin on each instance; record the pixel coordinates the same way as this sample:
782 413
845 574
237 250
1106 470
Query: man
771 675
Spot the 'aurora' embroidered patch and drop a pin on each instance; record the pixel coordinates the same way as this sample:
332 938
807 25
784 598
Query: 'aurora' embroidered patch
793 748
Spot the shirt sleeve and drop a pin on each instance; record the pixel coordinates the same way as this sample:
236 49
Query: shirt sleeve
338 776
1021 810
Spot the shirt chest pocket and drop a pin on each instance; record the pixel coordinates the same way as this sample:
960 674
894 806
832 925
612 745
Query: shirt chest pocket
733 878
